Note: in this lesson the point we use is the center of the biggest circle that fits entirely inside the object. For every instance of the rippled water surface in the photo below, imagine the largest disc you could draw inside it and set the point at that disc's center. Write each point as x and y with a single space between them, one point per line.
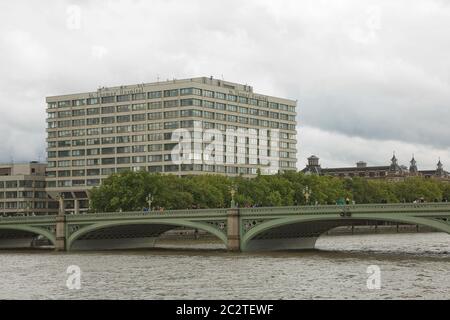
413 266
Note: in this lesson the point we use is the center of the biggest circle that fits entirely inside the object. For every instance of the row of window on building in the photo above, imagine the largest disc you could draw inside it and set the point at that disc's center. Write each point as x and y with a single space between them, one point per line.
23 194
22 184
171 124
9 205
171 94
151 127
171 104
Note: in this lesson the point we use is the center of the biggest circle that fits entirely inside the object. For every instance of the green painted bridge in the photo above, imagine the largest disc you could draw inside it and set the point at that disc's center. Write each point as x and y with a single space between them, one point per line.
244 229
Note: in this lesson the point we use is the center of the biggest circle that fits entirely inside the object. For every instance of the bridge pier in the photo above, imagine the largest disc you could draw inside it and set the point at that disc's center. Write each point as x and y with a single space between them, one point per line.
60 244
233 230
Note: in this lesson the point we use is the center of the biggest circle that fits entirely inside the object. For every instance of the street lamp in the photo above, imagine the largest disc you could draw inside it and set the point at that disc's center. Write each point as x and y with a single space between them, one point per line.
307 193
60 198
149 201
233 192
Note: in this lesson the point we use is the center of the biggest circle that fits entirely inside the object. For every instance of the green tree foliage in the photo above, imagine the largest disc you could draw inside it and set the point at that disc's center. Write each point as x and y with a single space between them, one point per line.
128 191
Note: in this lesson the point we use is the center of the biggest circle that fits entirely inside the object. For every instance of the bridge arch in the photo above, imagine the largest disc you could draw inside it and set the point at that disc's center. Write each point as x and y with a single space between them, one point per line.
158 227
319 225
32 231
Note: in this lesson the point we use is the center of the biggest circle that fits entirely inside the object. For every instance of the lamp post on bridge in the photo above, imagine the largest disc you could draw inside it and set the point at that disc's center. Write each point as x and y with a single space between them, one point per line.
233 193
60 198
149 201
307 193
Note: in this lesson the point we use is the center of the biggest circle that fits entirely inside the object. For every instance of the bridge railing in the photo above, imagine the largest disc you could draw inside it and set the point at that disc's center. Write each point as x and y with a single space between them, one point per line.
319 209
323 209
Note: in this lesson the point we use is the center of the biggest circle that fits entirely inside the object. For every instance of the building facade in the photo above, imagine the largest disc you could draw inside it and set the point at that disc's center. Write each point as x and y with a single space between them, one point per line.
393 171
183 127
22 190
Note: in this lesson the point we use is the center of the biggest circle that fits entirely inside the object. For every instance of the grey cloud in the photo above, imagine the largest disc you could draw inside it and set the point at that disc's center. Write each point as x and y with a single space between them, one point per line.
372 70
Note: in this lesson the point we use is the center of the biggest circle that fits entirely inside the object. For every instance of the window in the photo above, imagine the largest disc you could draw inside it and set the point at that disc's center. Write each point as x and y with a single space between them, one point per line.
139 107
93 152
155 105
79 123
108 140
93 132
208 104
139 138
232 108
78 153
124 108
231 97
121 119
93 121
123 129
220 95
93 172
155 158
111 99
92 101
171 93
78 163
108 130
243 100
191 102
171 114
208 94
155 116
171 168
78 173
139 96
108 161
190 91
123 149
171 125
93 162
108 120
139 149
123 160
79 103
139 127
155 126
64 114
171 104
110 109
154 147
63 104
78 113
93 111
108 150
91 142
108 171
154 95
123 139
140 159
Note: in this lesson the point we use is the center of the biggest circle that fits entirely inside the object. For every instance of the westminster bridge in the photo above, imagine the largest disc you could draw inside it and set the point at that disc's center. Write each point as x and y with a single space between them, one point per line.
240 229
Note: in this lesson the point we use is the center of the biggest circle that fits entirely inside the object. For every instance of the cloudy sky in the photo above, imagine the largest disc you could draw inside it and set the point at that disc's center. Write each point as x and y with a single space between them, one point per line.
371 77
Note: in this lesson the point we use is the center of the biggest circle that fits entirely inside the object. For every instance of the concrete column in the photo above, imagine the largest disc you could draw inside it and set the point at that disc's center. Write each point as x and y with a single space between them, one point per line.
60 244
233 230
76 206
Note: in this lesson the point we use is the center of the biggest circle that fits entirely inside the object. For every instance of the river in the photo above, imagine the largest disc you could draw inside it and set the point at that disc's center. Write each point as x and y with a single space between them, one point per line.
412 266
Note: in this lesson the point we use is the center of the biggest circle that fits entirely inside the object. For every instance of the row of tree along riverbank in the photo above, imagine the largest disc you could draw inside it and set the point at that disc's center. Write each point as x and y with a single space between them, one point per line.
134 191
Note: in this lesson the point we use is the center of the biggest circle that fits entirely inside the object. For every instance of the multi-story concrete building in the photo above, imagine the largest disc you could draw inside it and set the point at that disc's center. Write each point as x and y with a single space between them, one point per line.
22 190
191 126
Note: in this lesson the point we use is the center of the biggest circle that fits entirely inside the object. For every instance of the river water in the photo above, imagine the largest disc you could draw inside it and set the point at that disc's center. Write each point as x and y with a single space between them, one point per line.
412 266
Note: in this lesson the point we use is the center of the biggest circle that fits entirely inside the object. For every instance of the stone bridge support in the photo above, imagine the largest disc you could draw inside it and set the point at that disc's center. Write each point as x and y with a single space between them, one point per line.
60 243
233 230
